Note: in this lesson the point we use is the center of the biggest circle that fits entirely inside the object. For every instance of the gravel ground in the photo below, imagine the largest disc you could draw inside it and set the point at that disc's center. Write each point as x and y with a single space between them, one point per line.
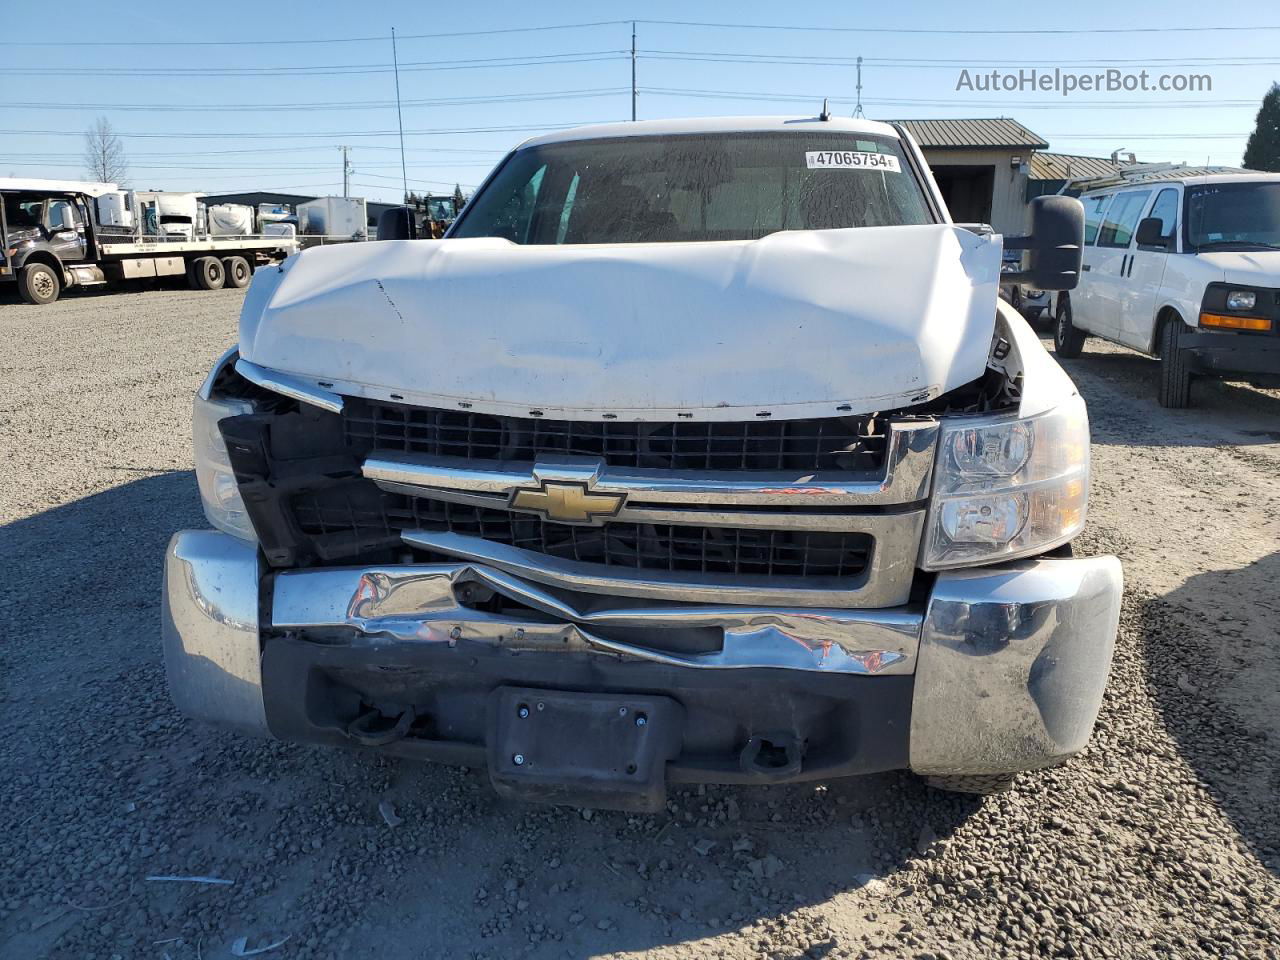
1162 840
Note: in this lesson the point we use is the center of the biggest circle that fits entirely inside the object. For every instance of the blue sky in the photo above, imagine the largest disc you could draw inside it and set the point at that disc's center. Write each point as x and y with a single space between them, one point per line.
580 75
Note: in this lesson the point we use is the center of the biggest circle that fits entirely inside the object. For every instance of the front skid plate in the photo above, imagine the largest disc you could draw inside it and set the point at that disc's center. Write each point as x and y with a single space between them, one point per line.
609 751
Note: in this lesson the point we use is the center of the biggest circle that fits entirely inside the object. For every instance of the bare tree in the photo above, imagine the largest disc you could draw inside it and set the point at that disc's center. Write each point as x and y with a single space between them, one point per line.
104 158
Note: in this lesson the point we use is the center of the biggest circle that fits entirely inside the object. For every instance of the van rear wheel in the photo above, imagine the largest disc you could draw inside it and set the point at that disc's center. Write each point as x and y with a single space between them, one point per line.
1068 341
1174 391
38 284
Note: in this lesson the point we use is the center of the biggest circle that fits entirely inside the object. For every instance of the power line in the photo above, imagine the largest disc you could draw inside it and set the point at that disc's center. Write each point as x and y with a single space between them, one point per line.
328 134
846 64
296 42
323 105
951 31
970 62
818 28
1043 104
332 70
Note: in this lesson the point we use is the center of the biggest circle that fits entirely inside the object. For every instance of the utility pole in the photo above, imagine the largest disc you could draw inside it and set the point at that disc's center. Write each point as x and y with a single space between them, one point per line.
857 110
346 172
633 69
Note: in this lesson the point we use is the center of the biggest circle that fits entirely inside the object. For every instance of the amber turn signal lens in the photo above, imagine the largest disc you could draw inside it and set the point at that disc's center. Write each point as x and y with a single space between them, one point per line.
1222 321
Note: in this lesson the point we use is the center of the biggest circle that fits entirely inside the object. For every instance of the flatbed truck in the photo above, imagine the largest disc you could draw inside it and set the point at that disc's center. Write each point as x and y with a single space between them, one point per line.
53 239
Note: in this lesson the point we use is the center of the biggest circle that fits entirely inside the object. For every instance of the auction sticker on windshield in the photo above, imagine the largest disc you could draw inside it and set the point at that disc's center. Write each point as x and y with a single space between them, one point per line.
850 160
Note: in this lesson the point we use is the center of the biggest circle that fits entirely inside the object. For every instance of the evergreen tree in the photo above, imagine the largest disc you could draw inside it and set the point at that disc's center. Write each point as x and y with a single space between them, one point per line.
458 198
1263 149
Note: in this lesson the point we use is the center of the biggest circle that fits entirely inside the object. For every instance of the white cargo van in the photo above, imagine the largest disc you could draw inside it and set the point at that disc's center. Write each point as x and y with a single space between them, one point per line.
1184 267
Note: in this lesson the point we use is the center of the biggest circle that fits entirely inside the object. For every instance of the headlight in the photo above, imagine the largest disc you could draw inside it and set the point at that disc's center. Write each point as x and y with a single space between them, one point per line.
1008 488
218 490
1241 300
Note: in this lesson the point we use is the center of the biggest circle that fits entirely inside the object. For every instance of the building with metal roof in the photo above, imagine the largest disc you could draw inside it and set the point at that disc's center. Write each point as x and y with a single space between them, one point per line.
982 167
993 133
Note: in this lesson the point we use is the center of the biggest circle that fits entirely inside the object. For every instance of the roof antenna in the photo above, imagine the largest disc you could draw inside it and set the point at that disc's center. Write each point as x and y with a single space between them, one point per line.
825 114
857 110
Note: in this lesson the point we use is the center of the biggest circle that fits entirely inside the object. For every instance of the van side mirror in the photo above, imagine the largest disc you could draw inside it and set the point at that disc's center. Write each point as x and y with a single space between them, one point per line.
1151 233
1055 245
398 223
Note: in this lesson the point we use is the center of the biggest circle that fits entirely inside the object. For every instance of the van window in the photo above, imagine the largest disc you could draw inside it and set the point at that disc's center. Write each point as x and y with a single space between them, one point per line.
1122 218
1093 207
1165 209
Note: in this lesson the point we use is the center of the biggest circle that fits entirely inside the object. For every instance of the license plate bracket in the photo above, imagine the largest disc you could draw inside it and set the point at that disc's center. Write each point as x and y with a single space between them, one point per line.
595 750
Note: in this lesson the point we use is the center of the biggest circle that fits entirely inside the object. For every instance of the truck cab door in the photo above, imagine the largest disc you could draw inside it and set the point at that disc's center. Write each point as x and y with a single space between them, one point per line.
66 229
1146 274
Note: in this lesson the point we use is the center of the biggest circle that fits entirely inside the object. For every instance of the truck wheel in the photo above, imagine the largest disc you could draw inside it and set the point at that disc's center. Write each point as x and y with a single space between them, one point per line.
39 284
237 271
982 784
1175 373
1068 341
207 273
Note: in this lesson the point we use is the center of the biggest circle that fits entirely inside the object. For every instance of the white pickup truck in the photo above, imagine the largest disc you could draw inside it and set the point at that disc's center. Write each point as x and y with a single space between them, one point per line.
698 451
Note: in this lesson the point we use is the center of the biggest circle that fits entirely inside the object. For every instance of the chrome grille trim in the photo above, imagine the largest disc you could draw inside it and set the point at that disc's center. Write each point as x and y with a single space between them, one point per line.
906 477
886 581
677 516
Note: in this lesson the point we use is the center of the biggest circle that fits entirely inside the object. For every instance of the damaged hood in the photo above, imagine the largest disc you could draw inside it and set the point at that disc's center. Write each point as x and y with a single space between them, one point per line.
796 324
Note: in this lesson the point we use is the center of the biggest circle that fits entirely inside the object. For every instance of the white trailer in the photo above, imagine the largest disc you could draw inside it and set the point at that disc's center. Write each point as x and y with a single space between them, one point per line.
61 233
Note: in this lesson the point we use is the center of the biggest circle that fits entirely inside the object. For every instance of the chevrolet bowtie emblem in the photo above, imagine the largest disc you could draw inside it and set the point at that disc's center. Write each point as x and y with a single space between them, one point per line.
568 502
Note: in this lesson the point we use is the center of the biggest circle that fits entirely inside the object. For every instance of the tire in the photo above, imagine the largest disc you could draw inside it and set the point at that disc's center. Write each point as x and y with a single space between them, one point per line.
207 273
39 284
237 271
1174 390
1068 341
984 785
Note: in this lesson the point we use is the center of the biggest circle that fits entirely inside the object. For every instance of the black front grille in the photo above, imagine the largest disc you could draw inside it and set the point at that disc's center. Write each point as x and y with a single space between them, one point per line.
853 444
353 513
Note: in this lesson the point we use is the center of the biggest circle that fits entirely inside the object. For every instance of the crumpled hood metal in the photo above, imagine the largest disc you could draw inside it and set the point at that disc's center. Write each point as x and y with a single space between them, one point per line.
796 324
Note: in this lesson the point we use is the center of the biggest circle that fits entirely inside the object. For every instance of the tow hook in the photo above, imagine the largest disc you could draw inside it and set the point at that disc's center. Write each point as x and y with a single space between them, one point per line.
771 756
370 729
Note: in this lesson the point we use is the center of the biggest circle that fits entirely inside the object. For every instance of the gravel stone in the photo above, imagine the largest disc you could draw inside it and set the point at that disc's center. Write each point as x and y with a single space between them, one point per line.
1161 840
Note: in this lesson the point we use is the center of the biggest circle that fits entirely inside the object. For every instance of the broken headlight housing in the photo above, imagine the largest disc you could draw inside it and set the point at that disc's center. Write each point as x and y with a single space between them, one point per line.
219 492
1008 488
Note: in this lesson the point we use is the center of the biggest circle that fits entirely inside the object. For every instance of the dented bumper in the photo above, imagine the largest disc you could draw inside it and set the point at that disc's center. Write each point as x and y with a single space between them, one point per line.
997 670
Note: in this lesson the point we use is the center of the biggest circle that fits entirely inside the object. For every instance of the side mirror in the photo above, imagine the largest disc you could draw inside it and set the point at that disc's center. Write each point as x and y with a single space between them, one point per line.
1055 245
398 223
1151 233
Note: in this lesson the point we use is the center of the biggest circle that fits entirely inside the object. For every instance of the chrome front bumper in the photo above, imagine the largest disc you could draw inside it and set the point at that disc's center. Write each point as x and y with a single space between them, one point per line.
1009 663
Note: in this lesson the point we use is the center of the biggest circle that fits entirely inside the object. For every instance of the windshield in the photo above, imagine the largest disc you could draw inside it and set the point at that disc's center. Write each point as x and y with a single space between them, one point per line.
21 213
696 187
1234 215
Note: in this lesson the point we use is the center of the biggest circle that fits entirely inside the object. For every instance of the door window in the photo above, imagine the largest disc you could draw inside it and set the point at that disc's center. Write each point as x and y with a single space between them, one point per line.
1093 208
1122 218
61 215
1165 209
